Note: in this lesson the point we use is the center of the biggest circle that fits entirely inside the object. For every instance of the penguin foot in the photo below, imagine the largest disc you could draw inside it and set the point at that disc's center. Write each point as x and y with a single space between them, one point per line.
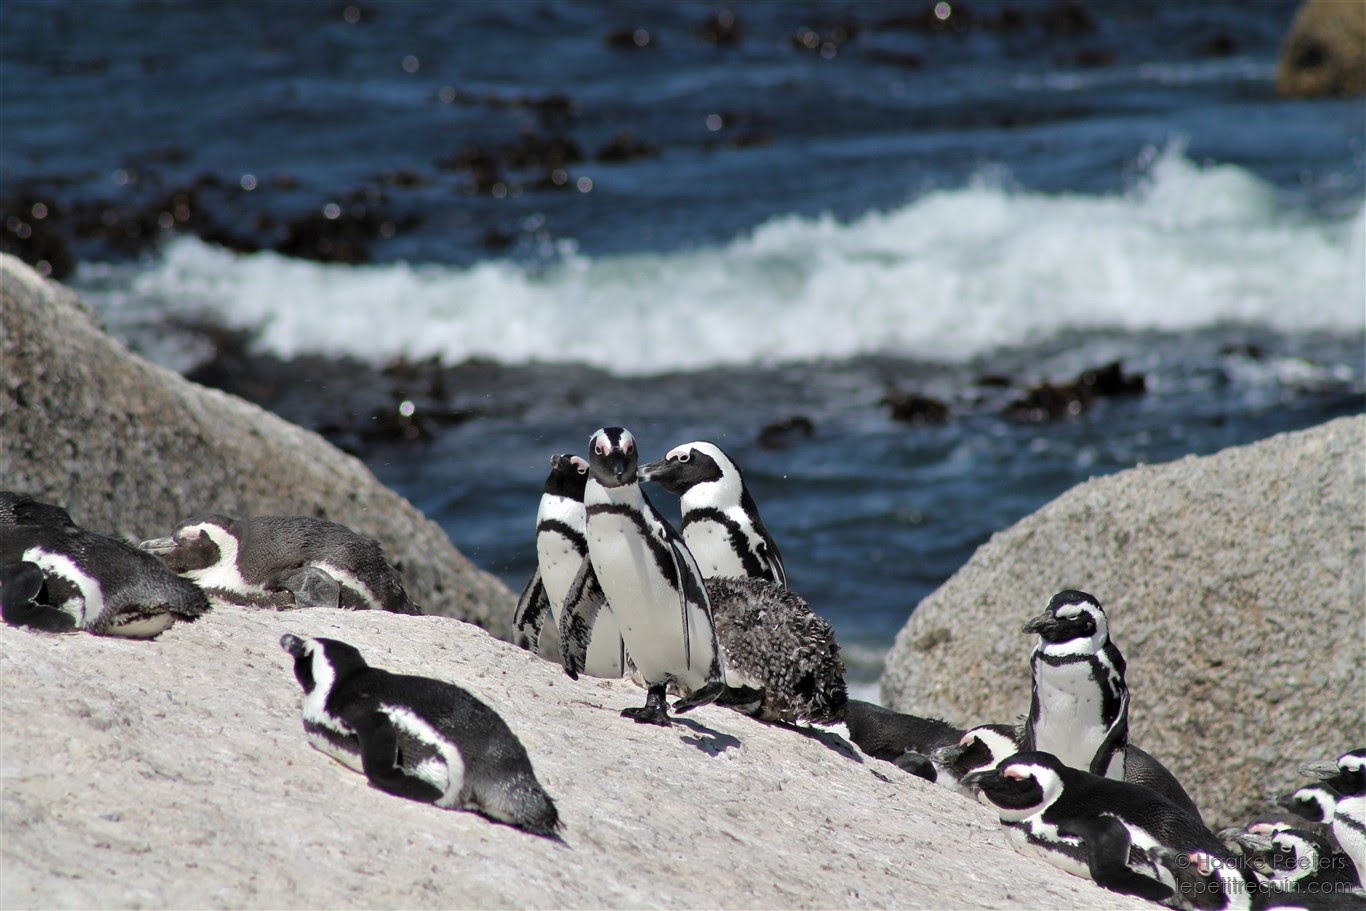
654 711
706 694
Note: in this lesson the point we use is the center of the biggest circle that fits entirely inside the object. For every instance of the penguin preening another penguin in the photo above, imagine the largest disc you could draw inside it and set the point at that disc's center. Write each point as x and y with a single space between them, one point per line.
59 577
1079 706
416 737
561 551
640 565
1094 826
721 523
283 562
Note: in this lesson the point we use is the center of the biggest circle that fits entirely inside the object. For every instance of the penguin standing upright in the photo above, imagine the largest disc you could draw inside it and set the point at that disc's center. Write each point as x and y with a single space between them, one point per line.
1079 709
721 523
1347 776
1097 827
416 737
283 562
561 550
641 566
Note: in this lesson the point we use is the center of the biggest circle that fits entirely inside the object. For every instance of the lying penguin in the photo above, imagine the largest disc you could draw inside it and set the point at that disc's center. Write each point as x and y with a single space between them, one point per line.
283 562
56 576
415 737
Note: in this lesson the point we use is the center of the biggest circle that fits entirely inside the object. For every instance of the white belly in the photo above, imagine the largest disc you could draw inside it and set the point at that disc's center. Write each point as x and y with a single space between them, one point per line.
1070 725
711 547
647 609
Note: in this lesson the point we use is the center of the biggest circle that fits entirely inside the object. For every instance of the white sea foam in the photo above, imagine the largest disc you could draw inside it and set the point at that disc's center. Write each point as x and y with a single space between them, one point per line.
950 275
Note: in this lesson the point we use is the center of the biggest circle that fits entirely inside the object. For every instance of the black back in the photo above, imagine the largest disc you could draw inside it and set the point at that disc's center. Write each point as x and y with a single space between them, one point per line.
21 509
885 734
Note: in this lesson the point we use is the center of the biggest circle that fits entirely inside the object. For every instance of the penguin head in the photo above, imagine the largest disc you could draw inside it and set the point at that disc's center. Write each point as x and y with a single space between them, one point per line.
197 544
690 466
1020 786
979 749
1074 623
612 457
568 477
1314 802
319 664
1352 773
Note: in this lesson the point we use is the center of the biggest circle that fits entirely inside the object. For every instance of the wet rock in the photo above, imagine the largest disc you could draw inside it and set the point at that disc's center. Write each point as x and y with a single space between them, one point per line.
903 59
624 146
1049 402
786 433
30 229
628 38
914 408
933 17
722 29
1068 18
341 233
1220 44
536 150
1324 52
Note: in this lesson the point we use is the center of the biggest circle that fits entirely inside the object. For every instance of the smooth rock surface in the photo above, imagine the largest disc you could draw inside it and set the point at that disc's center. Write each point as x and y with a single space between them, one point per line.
175 773
1325 51
1235 585
131 449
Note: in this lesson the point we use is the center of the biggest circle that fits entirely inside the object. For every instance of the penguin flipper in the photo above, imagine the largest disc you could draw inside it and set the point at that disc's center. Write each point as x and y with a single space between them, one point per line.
1116 738
917 764
701 696
21 587
581 606
532 608
313 587
381 762
1107 845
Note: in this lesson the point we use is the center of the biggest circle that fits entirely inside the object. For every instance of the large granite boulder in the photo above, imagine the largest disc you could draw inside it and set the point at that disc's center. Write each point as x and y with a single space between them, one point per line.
130 448
1236 590
1325 51
175 773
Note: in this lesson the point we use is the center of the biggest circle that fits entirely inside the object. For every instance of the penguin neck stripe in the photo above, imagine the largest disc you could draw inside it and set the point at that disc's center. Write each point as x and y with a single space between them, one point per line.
659 549
564 529
739 541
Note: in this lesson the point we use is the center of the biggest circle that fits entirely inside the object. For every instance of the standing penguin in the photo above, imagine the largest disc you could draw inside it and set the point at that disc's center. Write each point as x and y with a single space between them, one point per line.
561 550
721 523
283 562
415 737
640 565
1079 709
1094 826
1347 776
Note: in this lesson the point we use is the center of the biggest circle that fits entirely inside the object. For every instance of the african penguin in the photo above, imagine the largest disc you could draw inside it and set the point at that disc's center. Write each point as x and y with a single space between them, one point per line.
1079 709
1348 777
1298 860
21 509
283 562
1094 826
901 739
1313 802
103 585
640 565
415 737
978 749
777 652
561 549
721 523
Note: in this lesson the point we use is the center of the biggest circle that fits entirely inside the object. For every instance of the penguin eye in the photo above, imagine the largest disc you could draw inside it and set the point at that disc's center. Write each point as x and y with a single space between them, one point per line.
581 469
683 457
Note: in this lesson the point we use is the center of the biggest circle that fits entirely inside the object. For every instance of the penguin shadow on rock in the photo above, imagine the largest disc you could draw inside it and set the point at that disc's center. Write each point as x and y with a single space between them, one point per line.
56 576
423 739
283 562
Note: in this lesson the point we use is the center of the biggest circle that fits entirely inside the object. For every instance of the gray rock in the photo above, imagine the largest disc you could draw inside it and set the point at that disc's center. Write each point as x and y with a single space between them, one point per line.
131 449
1235 589
176 773
1324 52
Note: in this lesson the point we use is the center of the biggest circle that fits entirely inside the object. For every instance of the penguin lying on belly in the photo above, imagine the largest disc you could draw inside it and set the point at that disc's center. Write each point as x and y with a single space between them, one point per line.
56 576
283 562
415 737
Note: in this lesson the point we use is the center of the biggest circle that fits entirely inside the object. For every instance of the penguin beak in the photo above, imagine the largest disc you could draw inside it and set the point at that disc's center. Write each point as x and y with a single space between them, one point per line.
292 644
1322 769
158 546
1248 843
1041 624
946 756
620 468
651 471
976 780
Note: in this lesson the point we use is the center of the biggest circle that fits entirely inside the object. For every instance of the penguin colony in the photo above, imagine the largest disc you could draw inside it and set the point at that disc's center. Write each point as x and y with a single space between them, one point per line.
705 615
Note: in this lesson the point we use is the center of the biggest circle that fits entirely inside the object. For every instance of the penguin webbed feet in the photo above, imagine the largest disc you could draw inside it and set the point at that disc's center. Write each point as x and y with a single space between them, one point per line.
654 711
707 694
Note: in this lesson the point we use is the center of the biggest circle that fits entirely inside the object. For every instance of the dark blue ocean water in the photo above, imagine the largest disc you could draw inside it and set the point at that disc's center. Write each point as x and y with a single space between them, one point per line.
817 203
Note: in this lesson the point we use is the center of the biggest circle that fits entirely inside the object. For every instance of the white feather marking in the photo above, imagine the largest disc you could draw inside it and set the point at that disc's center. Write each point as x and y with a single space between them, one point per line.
447 772
90 605
350 580
223 573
